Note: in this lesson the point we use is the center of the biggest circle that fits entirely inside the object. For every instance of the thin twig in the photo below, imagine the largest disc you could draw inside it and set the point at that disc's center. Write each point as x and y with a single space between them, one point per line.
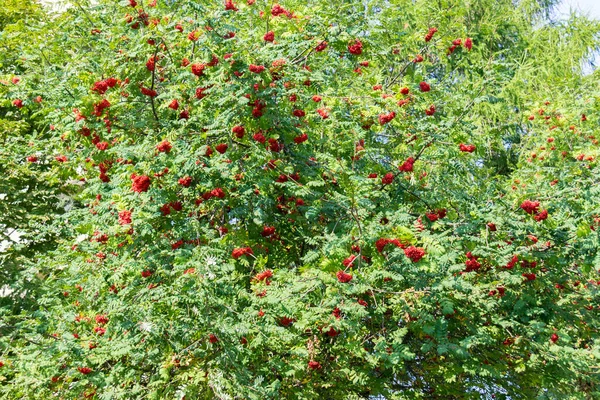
401 72
152 86
85 14
194 41
240 143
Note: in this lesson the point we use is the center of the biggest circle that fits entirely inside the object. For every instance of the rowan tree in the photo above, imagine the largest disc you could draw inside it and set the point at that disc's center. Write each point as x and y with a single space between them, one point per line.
309 200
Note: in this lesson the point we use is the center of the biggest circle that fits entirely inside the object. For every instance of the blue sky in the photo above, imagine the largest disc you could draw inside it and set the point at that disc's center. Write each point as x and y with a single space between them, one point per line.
586 7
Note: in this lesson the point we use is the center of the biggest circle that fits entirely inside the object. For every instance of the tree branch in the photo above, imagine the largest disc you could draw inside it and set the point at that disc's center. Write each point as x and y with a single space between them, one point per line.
152 87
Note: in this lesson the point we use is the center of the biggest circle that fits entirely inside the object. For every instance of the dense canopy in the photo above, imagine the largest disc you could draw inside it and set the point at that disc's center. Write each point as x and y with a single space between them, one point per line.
308 199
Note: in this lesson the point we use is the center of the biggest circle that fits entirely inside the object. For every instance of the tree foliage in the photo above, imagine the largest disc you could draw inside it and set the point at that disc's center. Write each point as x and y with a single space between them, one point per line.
301 200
